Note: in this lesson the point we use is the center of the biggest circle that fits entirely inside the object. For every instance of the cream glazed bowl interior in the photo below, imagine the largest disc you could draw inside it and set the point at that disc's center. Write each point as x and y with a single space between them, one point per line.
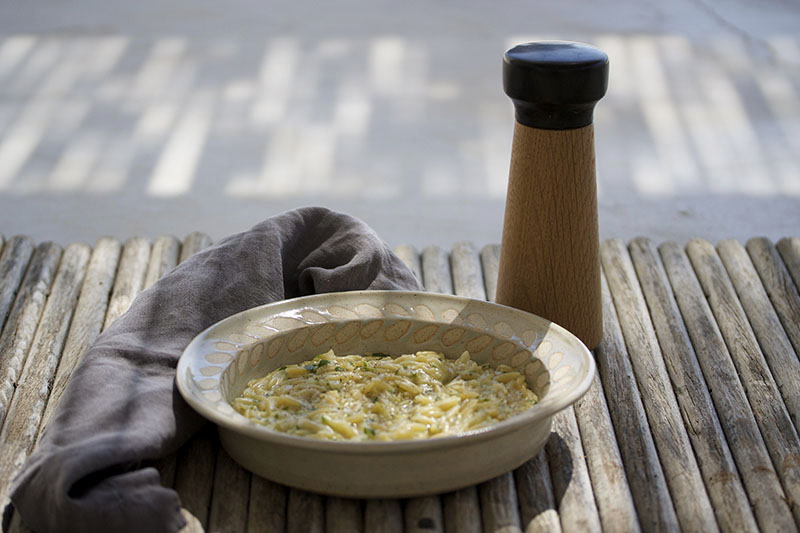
218 364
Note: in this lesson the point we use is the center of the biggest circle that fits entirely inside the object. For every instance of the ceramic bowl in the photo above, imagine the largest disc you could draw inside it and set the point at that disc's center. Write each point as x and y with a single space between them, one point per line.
218 364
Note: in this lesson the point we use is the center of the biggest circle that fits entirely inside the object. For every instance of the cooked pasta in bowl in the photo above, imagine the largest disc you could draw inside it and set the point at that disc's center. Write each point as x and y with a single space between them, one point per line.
383 398
383 393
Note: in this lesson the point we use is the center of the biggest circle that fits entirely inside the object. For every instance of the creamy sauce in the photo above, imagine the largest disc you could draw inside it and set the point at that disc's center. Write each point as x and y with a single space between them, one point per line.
382 398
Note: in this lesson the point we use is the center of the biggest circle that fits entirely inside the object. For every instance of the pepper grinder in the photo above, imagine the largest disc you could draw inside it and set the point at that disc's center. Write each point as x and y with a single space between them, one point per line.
549 257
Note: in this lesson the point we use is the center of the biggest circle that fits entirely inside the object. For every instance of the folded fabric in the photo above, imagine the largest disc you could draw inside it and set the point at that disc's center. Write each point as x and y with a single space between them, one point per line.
121 407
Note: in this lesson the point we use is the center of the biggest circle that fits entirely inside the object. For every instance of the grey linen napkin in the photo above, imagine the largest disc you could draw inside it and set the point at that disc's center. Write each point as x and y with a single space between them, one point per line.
121 407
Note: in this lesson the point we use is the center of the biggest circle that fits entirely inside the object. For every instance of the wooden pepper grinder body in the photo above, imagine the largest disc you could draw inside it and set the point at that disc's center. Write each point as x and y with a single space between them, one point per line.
549 257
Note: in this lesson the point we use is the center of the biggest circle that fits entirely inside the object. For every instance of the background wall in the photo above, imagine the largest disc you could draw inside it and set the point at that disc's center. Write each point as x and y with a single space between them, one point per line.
149 118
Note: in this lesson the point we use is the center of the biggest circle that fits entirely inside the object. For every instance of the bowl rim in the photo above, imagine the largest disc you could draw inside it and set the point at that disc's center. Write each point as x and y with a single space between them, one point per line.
540 411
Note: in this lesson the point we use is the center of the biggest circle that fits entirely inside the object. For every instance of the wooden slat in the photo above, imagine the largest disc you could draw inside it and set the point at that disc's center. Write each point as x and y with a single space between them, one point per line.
410 256
777 281
18 333
27 405
611 491
130 278
195 461
163 258
772 339
762 392
436 277
89 314
642 467
343 515
499 509
537 507
267 508
229 497
193 525
570 475
305 512
490 261
789 249
436 270
498 497
733 410
20 329
461 510
689 496
717 467
383 516
423 514
227 503
466 269
194 474
14 260
193 243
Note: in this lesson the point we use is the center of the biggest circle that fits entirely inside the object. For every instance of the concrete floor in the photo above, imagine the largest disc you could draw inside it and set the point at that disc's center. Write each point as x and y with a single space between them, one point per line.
150 118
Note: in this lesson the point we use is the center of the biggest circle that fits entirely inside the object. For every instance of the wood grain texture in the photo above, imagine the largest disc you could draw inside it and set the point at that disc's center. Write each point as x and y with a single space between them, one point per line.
193 525
343 515
499 511
733 410
436 276
570 475
267 508
194 474
20 328
537 507
765 400
789 249
193 243
466 268
38 268
714 458
642 467
410 256
490 261
462 511
33 388
305 512
777 281
14 258
230 496
767 327
195 461
609 432
163 258
689 496
549 262
423 515
611 491
90 312
383 516
130 278
499 508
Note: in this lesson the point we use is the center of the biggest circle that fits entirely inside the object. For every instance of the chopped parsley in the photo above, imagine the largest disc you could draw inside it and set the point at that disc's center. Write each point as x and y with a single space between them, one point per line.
316 365
369 431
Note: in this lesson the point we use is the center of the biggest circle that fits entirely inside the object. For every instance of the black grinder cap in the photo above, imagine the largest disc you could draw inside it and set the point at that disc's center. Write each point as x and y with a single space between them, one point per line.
555 84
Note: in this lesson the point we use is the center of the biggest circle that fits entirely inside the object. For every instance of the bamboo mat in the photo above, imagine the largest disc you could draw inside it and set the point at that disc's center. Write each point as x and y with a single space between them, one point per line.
691 423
